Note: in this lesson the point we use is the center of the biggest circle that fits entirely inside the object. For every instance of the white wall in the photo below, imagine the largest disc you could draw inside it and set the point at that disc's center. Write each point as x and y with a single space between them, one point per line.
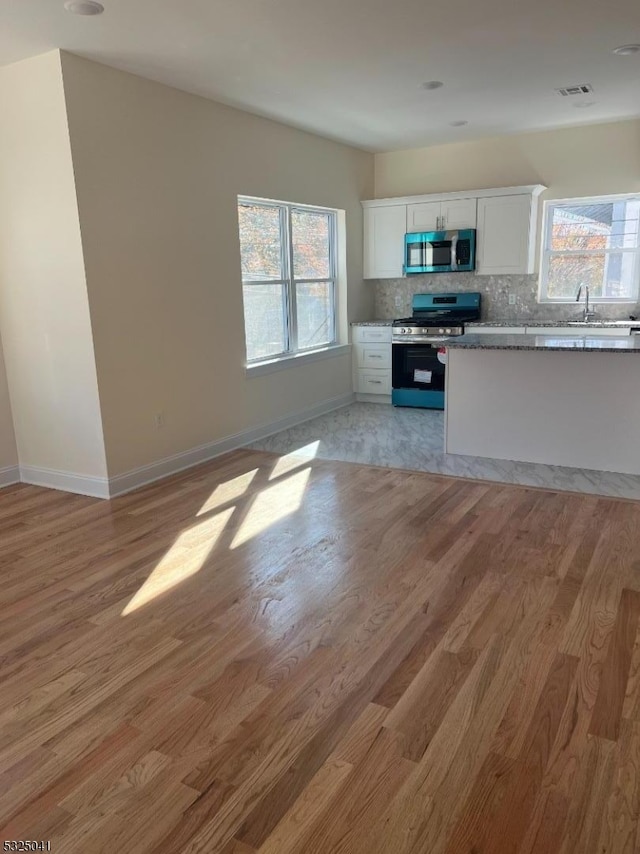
44 312
592 160
158 173
8 450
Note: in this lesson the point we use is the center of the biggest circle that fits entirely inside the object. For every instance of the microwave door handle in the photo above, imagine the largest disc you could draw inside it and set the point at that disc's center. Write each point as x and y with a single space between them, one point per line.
454 251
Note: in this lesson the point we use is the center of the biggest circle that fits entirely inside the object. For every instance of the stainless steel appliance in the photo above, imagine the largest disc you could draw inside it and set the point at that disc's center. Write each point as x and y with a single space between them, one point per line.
418 348
440 251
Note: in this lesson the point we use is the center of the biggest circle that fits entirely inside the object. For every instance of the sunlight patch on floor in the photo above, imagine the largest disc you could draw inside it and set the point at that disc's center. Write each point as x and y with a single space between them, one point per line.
185 558
231 490
295 459
271 505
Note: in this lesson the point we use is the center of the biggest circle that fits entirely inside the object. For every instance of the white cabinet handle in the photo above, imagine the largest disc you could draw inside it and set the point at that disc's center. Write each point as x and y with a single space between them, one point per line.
374 356
375 382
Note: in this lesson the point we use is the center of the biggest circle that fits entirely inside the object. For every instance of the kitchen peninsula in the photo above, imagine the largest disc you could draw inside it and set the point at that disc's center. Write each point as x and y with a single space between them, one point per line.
555 399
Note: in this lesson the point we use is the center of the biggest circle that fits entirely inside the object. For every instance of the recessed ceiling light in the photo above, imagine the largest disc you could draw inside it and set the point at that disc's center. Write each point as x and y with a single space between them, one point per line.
582 105
432 84
84 7
459 123
627 49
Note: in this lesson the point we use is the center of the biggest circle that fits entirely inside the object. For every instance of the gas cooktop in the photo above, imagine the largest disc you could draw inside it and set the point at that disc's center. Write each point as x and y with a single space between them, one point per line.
438 314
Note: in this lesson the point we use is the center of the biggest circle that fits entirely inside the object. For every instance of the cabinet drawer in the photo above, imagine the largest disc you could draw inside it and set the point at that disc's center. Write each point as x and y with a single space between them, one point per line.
373 382
372 333
373 355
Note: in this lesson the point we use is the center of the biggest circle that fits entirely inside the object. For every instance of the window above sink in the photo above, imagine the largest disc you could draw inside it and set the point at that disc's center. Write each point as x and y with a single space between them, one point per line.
592 242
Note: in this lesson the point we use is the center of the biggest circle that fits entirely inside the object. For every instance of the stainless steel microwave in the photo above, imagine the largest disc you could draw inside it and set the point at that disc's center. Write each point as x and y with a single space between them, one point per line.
440 251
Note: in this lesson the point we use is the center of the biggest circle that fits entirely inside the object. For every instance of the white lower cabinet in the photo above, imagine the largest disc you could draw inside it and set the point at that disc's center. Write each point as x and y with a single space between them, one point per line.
372 360
373 356
373 382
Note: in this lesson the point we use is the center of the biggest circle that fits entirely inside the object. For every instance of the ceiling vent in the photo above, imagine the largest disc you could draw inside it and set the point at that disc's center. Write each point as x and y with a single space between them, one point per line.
582 89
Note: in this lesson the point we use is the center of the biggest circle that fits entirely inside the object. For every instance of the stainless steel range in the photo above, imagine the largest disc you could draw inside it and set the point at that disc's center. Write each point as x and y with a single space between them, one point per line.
419 354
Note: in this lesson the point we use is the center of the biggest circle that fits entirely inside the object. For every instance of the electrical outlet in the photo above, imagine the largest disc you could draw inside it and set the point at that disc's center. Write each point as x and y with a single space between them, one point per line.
512 299
158 421
398 302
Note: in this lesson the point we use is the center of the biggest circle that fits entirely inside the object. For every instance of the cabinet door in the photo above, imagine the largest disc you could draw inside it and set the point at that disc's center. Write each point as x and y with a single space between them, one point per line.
424 217
384 230
459 213
504 232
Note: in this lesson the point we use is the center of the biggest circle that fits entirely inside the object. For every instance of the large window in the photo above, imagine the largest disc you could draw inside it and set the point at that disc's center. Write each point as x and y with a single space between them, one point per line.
288 255
593 242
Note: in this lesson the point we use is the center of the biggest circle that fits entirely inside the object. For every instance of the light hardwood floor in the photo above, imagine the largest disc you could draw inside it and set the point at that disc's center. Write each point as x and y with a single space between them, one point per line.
275 655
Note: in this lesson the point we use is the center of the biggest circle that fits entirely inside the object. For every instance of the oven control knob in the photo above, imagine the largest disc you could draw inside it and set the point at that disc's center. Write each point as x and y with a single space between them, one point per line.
448 331
404 329
441 331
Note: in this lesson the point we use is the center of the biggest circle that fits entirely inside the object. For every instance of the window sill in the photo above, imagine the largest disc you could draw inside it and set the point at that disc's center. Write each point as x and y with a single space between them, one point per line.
289 361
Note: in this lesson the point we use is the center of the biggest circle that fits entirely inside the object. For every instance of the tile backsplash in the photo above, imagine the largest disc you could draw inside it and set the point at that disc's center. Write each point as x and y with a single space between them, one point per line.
393 297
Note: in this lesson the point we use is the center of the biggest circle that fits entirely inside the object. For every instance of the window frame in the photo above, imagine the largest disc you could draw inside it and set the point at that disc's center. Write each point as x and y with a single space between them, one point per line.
289 282
546 253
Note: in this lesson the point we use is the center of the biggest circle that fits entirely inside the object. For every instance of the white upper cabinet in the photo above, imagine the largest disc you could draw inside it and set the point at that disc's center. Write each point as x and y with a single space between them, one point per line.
384 230
424 217
459 213
506 236
505 219
441 216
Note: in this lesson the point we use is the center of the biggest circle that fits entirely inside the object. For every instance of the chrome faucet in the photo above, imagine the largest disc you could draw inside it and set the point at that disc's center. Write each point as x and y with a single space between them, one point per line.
587 314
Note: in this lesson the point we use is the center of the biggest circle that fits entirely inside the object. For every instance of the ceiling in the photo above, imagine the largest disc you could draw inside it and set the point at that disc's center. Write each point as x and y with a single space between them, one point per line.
352 69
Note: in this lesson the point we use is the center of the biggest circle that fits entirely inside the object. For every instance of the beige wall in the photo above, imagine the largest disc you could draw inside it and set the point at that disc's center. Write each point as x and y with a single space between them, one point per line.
44 311
8 450
593 160
157 173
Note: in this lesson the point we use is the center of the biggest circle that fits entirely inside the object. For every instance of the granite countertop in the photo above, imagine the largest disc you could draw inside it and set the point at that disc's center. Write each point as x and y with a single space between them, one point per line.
585 343
371 322
592 324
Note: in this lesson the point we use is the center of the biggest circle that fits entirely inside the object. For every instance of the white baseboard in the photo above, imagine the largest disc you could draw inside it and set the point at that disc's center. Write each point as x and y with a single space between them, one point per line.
138 477
102 487
373 398
9 475
96 487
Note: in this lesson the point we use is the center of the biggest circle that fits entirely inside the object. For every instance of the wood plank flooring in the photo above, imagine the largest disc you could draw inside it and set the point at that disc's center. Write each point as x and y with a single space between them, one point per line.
287 656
